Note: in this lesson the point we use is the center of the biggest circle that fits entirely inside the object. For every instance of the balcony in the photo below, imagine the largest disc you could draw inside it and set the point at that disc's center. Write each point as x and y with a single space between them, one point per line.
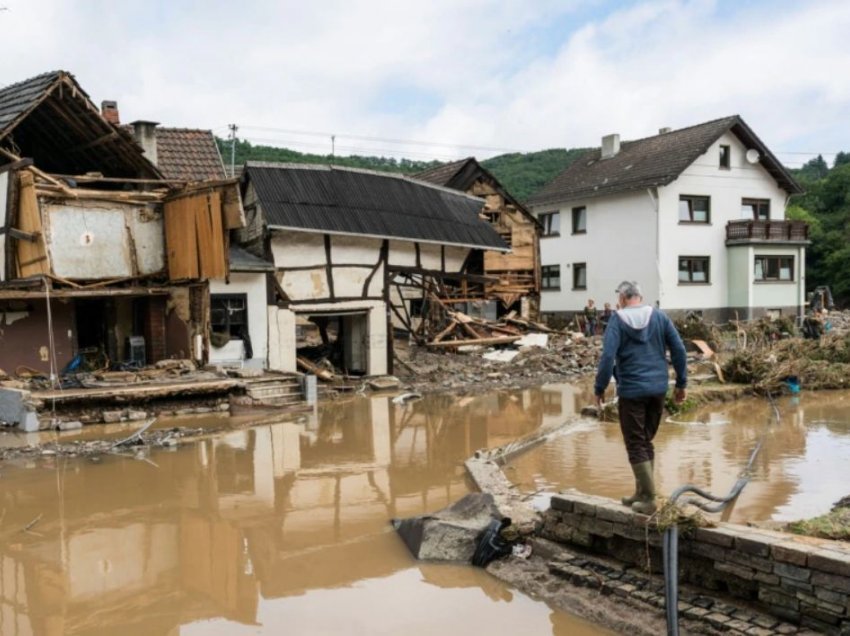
743 232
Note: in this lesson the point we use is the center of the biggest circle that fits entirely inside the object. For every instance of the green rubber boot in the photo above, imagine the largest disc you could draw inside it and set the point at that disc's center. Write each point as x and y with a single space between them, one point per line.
628 501
645 504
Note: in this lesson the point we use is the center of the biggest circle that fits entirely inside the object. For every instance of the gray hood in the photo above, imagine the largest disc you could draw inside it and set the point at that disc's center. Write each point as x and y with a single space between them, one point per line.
636 320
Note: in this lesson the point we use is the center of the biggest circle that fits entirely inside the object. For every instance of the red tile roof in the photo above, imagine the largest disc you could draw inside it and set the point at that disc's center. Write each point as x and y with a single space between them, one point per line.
188 154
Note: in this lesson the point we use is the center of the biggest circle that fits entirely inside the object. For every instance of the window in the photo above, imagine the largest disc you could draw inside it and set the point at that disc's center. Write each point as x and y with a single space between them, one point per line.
774 268
694 269
580 220
551 222
579 275
550 277
725 157
694 209
755 209
229 314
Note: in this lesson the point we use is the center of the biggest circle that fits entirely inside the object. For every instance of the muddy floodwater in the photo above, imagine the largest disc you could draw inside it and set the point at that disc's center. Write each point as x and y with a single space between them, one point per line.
276 529
799 472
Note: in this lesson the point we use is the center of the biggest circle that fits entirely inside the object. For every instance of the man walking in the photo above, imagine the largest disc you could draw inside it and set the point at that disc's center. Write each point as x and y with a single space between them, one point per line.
636 339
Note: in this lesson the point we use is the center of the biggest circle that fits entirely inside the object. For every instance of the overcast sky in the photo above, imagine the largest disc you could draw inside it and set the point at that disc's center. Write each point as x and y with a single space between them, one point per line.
479 77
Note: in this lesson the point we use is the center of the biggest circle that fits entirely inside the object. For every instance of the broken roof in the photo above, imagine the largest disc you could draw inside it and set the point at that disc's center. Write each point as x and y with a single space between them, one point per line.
654 161
242 260
51 119
188 154
336 200
460 175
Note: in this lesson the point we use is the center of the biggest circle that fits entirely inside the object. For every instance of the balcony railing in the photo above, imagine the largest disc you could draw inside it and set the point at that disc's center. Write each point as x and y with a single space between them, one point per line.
743 231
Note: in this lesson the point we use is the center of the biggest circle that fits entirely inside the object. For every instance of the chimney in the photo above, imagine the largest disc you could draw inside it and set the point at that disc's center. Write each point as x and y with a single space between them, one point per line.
109 110
610 146
145 134
664 131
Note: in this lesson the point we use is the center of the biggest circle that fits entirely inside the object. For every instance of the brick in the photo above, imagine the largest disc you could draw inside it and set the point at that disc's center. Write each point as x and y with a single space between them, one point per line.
561 504
755 562
789 553
778 598
793 586
696 613
610 513
753 546
768 579
830 596
715 536
740 571
832 582
741 626
717 619
830 561
788 571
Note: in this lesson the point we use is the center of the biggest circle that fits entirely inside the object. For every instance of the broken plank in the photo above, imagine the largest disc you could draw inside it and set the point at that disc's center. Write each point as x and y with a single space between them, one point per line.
315 369
447 344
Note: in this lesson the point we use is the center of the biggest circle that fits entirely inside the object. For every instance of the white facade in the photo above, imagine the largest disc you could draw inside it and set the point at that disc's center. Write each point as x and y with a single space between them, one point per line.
253 285
639 236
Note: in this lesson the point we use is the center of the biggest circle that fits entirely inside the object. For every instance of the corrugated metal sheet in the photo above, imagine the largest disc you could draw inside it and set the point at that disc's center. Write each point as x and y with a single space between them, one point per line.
348 201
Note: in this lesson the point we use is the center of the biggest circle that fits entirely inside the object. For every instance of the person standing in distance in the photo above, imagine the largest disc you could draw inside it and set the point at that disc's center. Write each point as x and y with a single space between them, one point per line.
637 339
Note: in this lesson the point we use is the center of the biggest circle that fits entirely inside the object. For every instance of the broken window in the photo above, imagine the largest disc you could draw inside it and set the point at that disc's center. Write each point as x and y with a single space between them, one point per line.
550 277
579 275
769 268
551 222
694 209
580 220
725 157
755 209
694 269
229 314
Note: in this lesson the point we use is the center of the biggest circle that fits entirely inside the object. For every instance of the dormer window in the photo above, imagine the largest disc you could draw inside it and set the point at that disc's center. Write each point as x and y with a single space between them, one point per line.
725 157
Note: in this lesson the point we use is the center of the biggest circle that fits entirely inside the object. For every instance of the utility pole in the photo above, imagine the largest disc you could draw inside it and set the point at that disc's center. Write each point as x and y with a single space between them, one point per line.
333 147
233 129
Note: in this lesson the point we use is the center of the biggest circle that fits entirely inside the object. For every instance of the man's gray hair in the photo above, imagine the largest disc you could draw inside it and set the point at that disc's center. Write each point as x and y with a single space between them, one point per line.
629 289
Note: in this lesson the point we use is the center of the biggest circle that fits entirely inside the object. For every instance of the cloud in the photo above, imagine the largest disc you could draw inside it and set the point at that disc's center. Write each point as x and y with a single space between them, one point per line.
507 74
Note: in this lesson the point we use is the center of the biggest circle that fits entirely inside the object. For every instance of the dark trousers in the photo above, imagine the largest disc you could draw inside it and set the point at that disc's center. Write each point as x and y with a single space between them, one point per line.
639 420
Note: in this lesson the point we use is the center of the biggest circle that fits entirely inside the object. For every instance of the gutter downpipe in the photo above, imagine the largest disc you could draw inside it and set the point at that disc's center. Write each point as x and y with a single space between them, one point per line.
653 198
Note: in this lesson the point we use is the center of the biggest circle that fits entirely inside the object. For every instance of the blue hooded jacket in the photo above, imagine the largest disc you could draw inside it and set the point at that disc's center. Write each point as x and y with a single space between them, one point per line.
637 339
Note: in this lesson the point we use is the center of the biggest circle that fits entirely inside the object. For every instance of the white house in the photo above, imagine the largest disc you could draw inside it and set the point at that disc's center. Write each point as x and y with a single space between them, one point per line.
696 215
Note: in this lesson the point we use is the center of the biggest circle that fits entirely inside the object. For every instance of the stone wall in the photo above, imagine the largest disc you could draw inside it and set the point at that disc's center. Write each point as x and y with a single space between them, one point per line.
798 579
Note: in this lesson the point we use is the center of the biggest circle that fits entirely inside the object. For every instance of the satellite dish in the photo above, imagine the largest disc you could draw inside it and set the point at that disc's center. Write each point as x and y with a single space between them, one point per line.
752 155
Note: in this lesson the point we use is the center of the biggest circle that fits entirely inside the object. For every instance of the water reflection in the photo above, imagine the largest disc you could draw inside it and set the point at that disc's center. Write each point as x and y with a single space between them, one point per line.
797 473
265 527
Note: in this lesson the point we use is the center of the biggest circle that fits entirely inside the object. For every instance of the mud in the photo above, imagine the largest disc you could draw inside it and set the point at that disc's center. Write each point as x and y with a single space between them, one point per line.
276 528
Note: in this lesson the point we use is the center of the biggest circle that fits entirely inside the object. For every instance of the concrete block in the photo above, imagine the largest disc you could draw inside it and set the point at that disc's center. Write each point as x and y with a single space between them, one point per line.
598 527
717 619
792 586
734 569
739 625
136 416
830 561
696 613
715 536
70 426
111 417
562 504
777 598
833 582
831 597
788 571
764 577
585 508
757 563
618 514
814 612
789 553
752 545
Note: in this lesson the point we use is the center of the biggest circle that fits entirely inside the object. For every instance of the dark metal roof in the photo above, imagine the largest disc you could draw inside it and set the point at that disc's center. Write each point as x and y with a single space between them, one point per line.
460 175
654 161
52 120
337 200
242 260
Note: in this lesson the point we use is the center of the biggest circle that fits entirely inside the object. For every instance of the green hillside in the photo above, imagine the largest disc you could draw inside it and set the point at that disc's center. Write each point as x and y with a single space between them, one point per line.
521 173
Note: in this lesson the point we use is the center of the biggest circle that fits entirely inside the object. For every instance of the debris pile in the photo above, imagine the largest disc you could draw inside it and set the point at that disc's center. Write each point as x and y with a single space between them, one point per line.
462 330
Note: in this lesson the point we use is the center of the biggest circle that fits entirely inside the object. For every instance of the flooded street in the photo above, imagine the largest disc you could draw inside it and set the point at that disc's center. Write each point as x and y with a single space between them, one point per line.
799 472
284 527
281 528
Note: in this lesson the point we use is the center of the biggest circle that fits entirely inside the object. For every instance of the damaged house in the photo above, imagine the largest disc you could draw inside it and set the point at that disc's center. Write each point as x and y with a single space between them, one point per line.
516 274
104 260
356 253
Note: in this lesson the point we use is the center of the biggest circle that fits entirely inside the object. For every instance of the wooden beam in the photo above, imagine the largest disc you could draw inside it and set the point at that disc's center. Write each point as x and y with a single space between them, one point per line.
448 344
20 235
15 165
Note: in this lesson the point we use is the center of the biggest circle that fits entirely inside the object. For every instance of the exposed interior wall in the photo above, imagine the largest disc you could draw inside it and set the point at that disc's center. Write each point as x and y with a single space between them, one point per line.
253 285
24 340
281 340
93 240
